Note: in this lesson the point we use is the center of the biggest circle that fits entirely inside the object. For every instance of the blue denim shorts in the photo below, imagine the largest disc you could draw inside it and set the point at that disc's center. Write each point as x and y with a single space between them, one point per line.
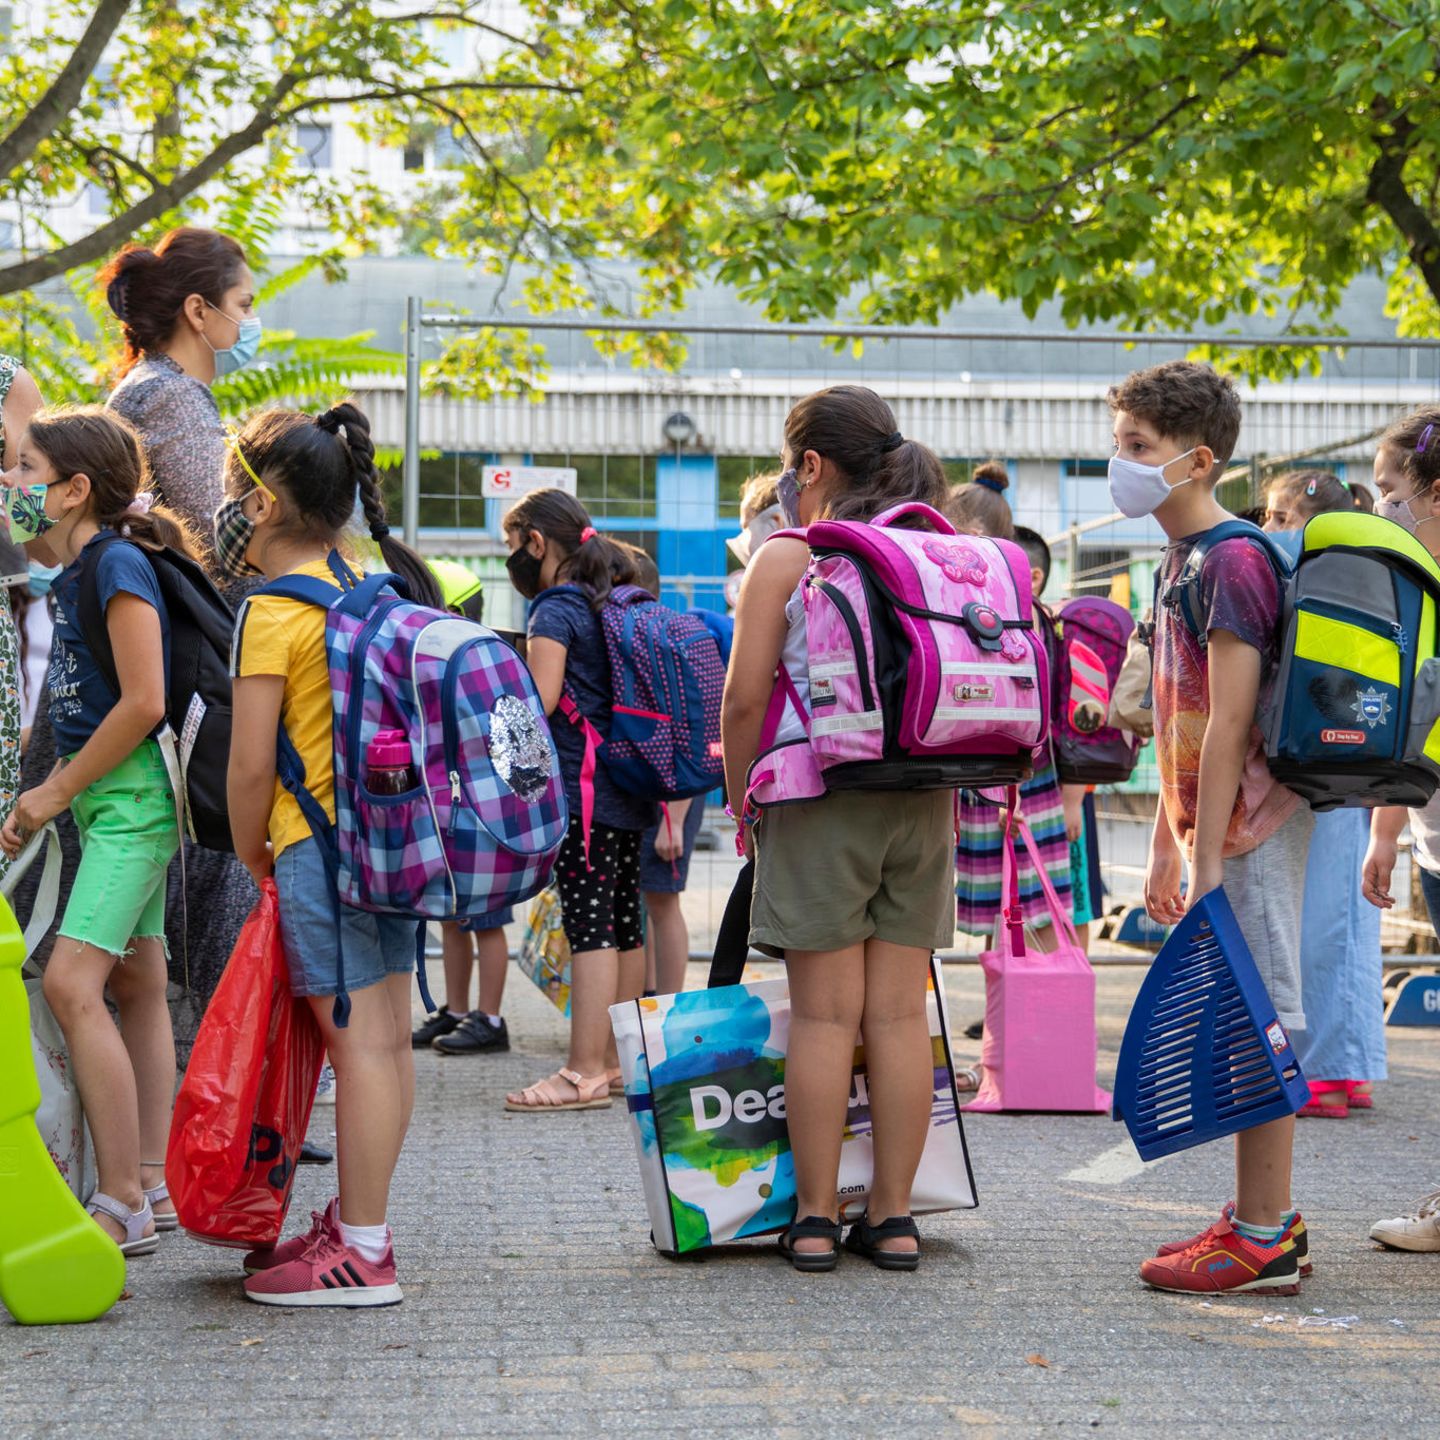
375 945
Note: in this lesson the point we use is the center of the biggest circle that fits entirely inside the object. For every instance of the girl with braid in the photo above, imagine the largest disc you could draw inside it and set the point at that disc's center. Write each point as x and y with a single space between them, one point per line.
291 485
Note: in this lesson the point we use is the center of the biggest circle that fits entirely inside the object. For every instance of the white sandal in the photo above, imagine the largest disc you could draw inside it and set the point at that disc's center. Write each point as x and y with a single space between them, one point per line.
158 1194
135 1223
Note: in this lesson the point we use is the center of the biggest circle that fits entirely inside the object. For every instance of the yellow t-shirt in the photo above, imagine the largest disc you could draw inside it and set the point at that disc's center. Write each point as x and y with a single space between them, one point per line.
274 636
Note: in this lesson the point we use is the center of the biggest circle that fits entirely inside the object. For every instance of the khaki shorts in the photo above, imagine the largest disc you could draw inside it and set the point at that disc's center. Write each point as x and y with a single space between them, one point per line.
854 865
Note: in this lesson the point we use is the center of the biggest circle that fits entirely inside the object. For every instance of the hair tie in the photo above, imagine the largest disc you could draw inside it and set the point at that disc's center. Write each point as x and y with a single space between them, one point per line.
1424 440
331 423
893 441
115 296
990 483
141 504
588 533
380 531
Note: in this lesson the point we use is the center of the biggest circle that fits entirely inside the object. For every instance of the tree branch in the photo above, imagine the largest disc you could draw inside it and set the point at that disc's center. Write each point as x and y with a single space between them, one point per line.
98 243
66 88
457 17
1388 190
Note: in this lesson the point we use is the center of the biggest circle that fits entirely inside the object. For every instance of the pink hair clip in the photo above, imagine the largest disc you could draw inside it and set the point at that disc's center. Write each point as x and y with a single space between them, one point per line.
588 533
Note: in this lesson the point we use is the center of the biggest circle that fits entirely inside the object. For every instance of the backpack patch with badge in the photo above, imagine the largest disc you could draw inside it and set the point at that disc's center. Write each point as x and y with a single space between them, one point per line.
1355 715
1094 634
195 736
481 824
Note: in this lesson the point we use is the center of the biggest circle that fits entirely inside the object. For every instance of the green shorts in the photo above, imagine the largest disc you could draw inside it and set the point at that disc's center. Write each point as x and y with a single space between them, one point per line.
831 873
128 837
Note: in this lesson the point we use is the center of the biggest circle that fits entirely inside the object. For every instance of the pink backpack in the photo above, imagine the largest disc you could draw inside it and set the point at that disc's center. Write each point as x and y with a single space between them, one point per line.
925 668
1094 635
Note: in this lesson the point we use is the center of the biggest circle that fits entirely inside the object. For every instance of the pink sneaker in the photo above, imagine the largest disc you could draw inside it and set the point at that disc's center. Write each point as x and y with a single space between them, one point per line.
328 1272
322 1222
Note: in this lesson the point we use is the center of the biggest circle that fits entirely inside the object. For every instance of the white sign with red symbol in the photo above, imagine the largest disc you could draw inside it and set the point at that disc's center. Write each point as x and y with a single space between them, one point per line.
509 482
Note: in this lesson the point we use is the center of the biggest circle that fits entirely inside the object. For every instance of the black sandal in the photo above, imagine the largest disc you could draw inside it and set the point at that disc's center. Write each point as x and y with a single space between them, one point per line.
864 1239
813 1227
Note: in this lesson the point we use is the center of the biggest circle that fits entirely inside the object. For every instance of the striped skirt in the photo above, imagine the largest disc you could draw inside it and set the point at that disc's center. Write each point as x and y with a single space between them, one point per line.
977 856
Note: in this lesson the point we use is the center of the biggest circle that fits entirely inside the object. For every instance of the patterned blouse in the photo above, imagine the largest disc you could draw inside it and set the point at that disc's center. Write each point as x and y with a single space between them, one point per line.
9 653
179 422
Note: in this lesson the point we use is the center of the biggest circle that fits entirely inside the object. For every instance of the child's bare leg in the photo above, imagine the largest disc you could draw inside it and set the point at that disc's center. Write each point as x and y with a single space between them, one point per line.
138 986
671 940
1262 1172
827 1001
493 958
455 946
75 988
629 985
900 1074
371 1108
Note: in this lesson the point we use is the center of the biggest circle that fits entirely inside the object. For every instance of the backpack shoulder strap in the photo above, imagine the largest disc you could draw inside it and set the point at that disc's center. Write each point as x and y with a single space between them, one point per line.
90 615
1184 594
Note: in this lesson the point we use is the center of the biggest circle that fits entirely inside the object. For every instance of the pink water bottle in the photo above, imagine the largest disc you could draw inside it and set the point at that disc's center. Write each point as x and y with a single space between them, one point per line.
387 764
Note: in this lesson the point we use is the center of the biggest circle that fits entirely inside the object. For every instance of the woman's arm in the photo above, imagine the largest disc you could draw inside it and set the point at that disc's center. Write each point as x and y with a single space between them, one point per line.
250 780
138 646
760 628
22 401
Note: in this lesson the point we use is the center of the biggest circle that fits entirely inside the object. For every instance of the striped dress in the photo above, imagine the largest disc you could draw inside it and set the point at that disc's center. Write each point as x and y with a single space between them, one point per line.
978 854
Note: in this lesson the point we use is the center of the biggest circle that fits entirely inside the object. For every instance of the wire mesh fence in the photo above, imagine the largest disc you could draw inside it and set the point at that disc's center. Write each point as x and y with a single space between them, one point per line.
660 456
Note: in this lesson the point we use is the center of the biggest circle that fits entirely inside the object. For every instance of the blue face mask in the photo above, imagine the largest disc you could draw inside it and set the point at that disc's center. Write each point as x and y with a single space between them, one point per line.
245 348
42 577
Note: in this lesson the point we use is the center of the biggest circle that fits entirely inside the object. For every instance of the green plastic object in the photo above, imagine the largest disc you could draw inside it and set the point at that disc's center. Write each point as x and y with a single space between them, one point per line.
57 1266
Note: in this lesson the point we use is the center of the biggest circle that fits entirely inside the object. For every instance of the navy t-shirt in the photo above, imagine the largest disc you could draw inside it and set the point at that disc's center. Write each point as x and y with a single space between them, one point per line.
564 615
79 697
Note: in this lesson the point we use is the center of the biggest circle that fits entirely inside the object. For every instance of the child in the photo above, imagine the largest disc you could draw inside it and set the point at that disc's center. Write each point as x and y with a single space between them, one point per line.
1175 427
78 482
292 481
981 836
1078 800
853 889
479 942
560 563
980 506
1342 1047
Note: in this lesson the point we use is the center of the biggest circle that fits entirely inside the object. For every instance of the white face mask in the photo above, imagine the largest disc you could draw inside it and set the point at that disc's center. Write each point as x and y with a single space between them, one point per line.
1401 513
1139 490
761 527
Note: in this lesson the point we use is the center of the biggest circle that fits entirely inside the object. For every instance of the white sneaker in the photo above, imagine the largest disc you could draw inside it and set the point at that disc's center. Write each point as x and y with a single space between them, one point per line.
325 1087
1420 1230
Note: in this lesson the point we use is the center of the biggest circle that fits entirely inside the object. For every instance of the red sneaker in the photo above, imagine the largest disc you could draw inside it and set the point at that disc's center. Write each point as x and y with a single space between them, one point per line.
328 1272
1222 1260
272 1255
1296 1232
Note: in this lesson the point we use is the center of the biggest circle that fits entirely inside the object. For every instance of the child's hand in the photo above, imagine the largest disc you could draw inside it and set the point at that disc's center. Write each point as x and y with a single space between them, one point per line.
31 811
1376 872
1163 901
1074 818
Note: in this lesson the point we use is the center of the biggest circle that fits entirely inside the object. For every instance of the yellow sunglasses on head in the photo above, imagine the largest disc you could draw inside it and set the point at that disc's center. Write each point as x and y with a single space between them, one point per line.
233 436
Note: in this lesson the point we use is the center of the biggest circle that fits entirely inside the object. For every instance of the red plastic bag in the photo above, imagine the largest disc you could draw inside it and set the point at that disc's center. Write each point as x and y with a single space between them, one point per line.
242 1111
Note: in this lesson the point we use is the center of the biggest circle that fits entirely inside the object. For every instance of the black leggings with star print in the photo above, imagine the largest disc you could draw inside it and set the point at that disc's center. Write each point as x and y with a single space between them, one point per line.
601 902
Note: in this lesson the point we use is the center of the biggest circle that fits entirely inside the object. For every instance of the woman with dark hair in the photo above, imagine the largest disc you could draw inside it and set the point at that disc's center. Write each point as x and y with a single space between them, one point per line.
186 310
567 569
19 400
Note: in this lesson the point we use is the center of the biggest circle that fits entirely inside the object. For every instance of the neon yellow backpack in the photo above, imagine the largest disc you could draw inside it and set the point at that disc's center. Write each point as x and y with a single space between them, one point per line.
1355 714
56 1264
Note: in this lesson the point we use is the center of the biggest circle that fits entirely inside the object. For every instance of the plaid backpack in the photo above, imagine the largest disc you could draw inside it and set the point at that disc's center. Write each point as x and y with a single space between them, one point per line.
483 826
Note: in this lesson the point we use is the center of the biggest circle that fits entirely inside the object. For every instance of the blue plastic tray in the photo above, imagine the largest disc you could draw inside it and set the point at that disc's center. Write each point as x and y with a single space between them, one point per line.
1204 1054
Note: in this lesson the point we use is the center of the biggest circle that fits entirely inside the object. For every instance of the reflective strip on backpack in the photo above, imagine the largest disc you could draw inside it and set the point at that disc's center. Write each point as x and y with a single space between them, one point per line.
1333 642
832 669
834 724
1432 744
986 712
987 667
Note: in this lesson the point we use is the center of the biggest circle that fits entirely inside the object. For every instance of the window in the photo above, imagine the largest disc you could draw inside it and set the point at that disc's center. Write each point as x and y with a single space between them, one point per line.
314 142
611 487
449 151
414 153
7 235
733 471
7 23
450 496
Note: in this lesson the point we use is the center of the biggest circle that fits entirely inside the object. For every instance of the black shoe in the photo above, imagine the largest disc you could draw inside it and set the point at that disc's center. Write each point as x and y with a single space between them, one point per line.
815 1227
315 1155
442 1022
975 1031
474 1035
864 1239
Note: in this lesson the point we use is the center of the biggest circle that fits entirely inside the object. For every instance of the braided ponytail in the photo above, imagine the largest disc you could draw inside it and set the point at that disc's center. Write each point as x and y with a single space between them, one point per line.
352 430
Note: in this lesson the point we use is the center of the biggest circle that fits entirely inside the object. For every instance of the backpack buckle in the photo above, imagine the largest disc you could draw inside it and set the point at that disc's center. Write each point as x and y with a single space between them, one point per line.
984 624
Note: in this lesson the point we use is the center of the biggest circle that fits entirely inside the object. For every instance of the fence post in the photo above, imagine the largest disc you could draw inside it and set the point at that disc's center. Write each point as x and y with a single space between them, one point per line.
1257 487
410 467
1072 558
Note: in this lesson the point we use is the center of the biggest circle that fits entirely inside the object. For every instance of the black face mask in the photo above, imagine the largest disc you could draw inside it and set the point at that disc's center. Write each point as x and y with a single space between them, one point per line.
524 569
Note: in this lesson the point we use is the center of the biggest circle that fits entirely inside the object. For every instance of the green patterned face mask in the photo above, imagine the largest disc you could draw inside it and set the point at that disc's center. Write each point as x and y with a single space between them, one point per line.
25 512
